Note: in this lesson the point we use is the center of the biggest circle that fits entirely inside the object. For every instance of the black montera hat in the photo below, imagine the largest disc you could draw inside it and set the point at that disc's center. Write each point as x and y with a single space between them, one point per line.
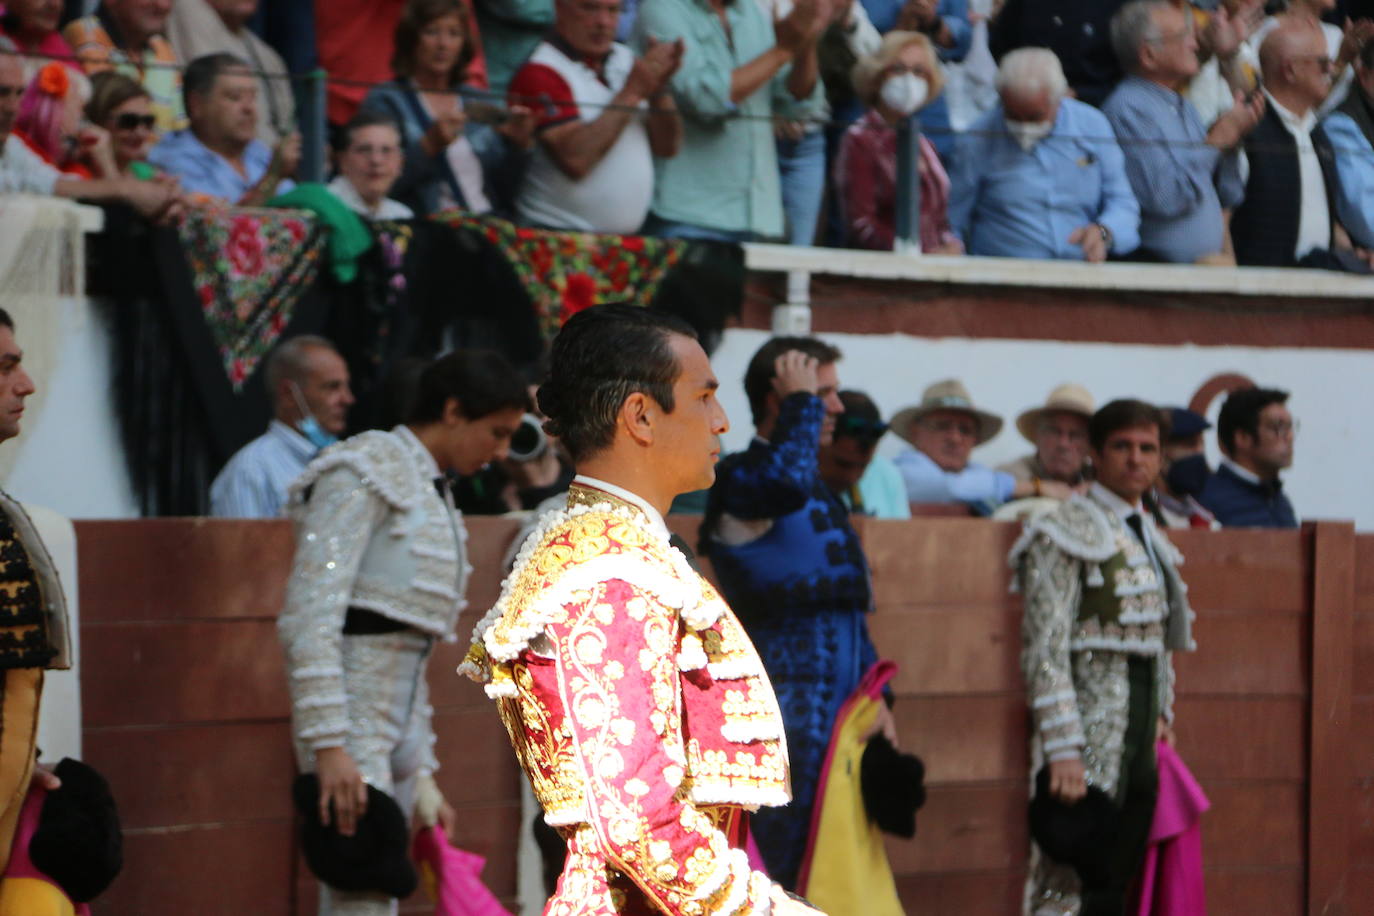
373 859
1079 835
893 786
78 842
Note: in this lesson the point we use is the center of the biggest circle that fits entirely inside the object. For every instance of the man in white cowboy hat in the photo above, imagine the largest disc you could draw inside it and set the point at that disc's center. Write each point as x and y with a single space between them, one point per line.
943 430
1059 432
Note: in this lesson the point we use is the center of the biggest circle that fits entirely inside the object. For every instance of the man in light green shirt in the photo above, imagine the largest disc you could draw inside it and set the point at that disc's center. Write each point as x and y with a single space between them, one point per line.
739 71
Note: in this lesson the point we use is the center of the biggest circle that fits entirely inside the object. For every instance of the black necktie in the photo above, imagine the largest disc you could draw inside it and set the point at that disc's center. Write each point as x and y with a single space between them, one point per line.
677 541
1137 525
443 485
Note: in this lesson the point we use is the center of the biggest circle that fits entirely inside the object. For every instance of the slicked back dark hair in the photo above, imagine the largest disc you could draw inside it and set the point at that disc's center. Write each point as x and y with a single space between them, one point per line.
5 320
602 356
1125 413
758 378
483 381
1242 412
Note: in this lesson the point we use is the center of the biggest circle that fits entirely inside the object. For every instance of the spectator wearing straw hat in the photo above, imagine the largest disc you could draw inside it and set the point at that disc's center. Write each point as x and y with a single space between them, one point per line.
899 80
943 430
1059 432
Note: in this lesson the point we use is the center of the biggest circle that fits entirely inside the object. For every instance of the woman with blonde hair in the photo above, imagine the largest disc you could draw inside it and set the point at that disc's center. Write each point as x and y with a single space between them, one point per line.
898 81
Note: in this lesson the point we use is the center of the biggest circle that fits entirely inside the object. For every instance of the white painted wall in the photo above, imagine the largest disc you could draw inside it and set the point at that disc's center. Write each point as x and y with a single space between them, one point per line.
69 456
1328 478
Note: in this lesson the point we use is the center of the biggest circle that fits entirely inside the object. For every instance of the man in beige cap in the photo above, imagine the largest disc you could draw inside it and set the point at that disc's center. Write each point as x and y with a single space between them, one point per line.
1059 432
943 430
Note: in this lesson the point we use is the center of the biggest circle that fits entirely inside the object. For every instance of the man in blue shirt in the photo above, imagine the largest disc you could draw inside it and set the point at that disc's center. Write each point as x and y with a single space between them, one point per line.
1183 174
1350 128
308 382
219 155
1256 432
1040 175
943 430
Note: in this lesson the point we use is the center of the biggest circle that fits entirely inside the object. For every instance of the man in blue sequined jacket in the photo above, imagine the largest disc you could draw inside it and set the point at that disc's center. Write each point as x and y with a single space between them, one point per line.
793 569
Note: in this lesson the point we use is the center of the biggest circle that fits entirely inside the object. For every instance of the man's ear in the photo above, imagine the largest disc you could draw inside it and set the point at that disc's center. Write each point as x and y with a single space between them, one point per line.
771 403
637 415
453 412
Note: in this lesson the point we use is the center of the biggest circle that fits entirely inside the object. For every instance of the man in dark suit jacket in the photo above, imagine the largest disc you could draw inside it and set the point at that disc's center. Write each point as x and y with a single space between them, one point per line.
1289 209
1255 431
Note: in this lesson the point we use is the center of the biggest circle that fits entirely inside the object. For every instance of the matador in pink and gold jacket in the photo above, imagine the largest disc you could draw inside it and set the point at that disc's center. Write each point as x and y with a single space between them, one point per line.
639 710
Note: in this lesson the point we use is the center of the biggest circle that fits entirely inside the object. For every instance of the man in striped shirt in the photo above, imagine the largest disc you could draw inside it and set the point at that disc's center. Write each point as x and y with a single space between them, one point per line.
307 380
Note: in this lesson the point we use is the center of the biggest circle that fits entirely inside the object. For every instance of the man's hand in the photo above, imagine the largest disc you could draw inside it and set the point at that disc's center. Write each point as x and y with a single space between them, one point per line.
1164 732
1354 37
918 15
518 128
159 201
1232 127
651 72
44 778
1227 31
796 31
1090 239
448 821
794 371
342 785
286 158
446 127
885 723
1068 780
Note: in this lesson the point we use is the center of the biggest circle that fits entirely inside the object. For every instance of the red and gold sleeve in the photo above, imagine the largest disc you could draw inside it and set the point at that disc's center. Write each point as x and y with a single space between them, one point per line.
616 652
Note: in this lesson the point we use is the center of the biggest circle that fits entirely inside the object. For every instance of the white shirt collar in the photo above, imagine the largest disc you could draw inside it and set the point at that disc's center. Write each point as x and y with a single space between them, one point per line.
1244 474
1118 505
293 439
386 208
653 515
1297 126
422 453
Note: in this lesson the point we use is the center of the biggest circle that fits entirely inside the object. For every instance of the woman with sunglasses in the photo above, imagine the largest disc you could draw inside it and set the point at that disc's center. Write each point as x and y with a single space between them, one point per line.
124 109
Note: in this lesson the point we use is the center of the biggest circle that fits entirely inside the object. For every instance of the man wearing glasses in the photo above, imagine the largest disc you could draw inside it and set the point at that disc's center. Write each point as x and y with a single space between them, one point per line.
1289 213
1184 173
864 483
943 431
1256 433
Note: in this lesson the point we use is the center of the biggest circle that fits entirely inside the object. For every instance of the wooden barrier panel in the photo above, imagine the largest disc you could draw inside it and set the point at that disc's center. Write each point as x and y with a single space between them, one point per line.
186 712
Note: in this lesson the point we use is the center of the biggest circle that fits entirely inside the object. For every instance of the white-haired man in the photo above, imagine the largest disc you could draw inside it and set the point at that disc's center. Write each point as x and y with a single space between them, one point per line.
1040 175
1183 173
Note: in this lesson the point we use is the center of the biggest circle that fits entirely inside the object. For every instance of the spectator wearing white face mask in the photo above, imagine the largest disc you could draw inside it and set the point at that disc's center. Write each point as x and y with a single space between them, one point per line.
900 79
1041 176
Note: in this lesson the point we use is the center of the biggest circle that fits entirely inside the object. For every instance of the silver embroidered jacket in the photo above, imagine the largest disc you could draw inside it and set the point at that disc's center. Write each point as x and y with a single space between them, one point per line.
1093 595
372 532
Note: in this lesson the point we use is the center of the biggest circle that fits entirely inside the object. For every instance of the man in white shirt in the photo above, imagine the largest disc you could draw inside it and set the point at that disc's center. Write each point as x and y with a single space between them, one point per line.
1288 213
603 116
308 382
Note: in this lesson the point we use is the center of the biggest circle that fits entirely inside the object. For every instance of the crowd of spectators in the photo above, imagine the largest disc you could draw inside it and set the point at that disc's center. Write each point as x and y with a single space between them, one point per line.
1255 435
1149 130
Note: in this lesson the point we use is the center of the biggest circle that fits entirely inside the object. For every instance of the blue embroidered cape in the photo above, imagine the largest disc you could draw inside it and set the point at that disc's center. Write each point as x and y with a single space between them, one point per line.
802 591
